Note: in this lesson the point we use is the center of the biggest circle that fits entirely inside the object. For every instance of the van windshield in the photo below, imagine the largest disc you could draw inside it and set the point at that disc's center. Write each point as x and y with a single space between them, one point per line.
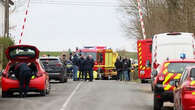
178 67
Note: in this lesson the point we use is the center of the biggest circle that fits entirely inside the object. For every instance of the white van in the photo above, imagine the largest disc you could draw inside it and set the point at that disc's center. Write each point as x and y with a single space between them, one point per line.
169 46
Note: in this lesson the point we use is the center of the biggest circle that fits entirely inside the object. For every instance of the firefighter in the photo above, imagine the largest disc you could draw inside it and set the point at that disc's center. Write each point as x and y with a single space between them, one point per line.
85 67
118 65
129 70
81 67
91 68
75 62
23 73
125 69
89 63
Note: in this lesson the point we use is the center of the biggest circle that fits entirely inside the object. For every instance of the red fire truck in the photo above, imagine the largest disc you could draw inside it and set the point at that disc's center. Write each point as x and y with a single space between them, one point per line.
104 60
144 53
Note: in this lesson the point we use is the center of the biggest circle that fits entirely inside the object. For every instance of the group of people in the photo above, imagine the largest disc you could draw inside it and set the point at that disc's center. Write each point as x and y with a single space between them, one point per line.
123 67
84 65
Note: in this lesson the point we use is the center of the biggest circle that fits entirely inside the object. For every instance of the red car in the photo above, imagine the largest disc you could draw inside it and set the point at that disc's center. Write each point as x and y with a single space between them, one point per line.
27 54
184 94
164 83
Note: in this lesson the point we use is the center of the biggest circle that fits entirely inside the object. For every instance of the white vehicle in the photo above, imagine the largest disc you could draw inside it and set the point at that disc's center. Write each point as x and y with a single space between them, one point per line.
169 46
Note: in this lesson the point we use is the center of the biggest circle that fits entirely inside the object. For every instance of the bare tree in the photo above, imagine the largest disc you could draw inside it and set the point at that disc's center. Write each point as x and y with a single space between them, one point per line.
160 16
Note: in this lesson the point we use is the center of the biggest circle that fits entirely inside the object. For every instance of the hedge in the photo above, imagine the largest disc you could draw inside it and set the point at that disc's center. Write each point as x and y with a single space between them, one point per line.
5 42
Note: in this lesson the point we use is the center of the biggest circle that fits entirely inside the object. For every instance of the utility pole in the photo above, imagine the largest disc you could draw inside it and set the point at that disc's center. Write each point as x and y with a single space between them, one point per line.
6 33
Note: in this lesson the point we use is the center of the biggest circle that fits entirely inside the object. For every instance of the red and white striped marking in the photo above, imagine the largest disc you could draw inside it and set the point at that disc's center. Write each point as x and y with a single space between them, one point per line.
23 26
141 19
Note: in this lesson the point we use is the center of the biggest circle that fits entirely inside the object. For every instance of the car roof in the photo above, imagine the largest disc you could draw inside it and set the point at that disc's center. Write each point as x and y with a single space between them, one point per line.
179 60
51 57
175 33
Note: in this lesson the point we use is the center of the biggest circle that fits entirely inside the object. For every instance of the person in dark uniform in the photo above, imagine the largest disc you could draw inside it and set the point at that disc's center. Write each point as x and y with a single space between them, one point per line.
85 67
126 68
91 65
75 62
119 65
23 73
129 71
81 67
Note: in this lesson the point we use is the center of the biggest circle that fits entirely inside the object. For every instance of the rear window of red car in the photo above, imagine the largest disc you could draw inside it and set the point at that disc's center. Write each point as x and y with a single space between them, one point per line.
22 51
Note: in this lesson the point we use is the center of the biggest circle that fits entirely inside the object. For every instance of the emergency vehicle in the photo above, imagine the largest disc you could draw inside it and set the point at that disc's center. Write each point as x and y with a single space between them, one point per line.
144 53
184 94
164 83
104 60
169 46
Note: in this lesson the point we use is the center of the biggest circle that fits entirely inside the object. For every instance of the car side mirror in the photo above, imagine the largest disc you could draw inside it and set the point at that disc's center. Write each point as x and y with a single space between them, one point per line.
154 73
148 64
176 83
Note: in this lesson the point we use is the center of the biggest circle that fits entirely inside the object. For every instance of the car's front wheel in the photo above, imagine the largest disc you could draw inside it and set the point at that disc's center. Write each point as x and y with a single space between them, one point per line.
4 94
48 88
43 93
62 79
157 103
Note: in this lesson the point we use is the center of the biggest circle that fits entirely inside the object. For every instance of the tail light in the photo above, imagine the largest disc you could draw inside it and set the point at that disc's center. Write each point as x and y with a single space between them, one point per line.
4 75
58 64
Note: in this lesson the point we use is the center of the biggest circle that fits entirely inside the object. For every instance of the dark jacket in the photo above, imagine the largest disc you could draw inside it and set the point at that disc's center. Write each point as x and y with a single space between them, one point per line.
75 60
81 64
89 63
20 68
126 65
118 65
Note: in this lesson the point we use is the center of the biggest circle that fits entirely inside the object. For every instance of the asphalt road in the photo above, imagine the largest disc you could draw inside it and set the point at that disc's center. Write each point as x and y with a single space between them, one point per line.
79 95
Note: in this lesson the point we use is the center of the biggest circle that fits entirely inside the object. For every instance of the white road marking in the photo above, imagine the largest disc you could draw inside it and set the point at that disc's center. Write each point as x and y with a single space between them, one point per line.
70 97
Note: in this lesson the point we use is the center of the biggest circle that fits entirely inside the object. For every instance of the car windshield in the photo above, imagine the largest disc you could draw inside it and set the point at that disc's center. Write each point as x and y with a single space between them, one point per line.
178 67
90 53
192 73
49 61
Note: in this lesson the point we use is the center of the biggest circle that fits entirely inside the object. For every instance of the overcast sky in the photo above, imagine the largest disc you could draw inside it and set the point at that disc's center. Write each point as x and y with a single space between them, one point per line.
65 24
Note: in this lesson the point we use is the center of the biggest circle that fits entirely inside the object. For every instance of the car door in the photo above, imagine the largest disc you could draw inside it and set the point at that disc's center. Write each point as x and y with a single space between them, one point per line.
178 90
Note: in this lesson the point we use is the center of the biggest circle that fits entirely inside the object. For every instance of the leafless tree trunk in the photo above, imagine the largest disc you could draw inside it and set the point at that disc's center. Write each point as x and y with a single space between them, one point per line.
160 16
